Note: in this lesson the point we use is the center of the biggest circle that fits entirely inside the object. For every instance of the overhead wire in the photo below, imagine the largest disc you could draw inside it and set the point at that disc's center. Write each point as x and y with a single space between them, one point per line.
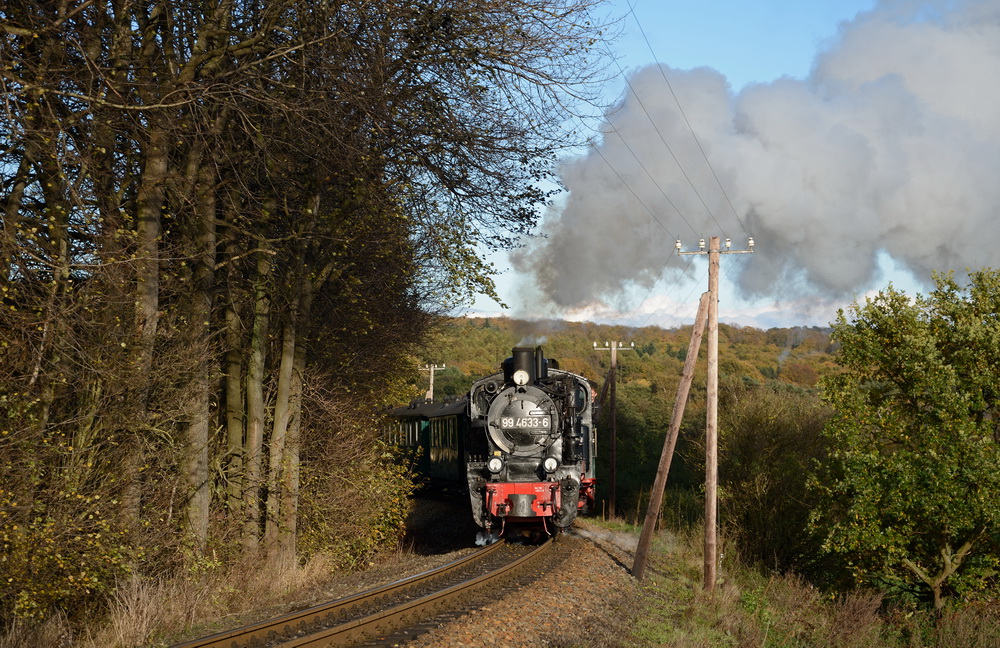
631 8
651 213
650 175
675 285
669 149
653 179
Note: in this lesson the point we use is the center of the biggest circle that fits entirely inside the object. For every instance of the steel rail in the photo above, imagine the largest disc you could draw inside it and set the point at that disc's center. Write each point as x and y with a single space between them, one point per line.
326 613
398 615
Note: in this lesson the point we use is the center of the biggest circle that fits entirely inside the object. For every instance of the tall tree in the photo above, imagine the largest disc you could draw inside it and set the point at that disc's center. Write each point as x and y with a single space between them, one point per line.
912 491
207 205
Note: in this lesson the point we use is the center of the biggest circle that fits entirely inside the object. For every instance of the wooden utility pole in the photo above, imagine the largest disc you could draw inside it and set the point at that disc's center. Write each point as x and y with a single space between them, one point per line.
712 420
712 406
614 348
670 442
431 368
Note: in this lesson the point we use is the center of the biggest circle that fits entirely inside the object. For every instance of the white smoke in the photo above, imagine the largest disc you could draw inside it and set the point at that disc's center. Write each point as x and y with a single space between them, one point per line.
890 146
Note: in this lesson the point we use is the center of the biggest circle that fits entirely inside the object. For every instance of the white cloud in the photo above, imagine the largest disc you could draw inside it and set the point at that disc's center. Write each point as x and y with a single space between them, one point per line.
889 147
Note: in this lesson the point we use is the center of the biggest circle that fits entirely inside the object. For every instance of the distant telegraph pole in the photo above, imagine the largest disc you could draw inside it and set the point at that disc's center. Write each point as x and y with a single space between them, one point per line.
712 407
614 348
431 368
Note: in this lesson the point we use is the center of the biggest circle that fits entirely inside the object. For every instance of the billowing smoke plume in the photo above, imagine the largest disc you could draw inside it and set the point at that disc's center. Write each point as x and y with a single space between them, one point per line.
892 145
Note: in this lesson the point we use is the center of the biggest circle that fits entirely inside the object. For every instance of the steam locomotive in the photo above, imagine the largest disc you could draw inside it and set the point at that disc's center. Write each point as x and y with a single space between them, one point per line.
522 444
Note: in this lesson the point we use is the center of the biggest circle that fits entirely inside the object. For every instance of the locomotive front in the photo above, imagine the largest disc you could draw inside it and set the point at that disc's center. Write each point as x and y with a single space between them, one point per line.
533 444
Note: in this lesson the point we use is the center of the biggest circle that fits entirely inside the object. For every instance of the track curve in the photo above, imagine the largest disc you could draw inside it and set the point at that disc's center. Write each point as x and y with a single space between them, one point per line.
351 620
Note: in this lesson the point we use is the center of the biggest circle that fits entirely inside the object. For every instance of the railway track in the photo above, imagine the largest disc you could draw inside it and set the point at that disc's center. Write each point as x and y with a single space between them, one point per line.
377 612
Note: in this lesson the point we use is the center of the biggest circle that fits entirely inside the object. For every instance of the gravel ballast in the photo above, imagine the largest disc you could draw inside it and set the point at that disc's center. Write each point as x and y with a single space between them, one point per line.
584 602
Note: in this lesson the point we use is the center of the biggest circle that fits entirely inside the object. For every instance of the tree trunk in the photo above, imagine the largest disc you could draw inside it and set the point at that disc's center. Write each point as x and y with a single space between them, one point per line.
150 197
290 469
255 402
276 448
12 207
198 415
950 562
233 364
234 410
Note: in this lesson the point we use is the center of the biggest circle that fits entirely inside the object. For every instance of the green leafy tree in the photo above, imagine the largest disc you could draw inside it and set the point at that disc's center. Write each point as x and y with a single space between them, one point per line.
912 487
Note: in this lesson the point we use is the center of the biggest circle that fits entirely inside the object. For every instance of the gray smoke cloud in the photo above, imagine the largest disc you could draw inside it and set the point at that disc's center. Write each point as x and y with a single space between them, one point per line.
891 145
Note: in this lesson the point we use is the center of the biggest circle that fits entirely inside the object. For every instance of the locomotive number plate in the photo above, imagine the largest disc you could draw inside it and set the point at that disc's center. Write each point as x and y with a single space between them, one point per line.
522 422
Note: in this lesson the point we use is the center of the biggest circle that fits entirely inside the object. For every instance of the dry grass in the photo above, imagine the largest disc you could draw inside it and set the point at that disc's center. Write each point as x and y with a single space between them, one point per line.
210 598
145 611
750 609
973 626
55 632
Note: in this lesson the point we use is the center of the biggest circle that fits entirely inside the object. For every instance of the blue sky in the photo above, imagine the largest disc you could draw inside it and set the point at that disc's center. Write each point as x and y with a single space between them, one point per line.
745 41
768 53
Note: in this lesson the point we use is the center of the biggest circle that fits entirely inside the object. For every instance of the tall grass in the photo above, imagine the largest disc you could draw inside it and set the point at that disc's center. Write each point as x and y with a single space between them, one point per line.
751 607
155 611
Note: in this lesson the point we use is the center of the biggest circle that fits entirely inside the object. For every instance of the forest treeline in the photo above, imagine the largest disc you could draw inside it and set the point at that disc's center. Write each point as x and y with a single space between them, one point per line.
771 415
860 455
225 226
473 347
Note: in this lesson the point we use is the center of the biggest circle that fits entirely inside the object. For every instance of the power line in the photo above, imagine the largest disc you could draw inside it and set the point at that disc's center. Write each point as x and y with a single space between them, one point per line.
650 175
632 191
676 161
670 150
686 121
682 303
675 285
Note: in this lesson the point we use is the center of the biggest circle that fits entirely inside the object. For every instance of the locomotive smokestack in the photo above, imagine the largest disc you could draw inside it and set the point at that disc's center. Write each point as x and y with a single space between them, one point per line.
541 366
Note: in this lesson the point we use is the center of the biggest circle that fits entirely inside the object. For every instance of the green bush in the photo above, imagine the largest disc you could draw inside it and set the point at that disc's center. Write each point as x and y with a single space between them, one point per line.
58 553
769 439
354 505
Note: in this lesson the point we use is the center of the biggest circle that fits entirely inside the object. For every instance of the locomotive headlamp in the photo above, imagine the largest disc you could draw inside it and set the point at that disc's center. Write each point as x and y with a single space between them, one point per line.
494 464
521 377
550 464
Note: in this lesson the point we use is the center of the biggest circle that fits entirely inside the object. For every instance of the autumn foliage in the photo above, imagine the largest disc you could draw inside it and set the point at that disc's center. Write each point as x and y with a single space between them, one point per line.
225 228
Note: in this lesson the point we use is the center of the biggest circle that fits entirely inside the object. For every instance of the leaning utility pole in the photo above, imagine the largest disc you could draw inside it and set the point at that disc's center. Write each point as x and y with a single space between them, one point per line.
431 368
614 348
670 442
712 406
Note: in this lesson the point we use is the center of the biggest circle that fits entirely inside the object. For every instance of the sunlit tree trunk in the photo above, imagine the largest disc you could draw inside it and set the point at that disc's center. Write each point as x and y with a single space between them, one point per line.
291 469
256 415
